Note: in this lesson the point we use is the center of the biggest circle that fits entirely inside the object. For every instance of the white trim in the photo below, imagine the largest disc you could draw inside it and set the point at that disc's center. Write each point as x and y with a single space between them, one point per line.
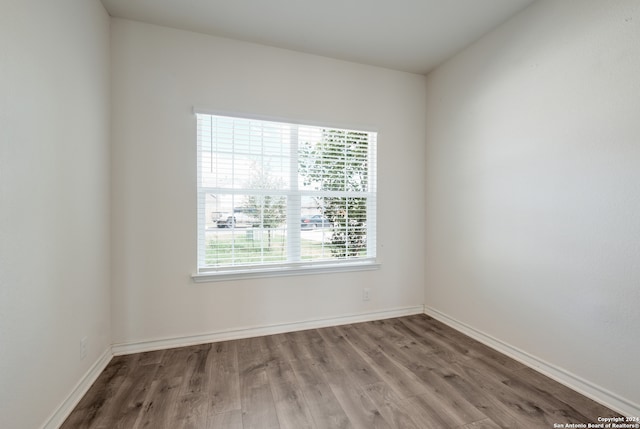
62 412
561 375
282 271
235 334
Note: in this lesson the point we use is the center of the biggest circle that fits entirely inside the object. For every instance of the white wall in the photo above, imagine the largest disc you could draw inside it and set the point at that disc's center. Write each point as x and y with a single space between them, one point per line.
54 202
159 74
533 189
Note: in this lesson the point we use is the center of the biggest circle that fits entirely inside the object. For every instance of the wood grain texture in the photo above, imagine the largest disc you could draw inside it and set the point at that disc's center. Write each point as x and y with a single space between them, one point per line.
411 372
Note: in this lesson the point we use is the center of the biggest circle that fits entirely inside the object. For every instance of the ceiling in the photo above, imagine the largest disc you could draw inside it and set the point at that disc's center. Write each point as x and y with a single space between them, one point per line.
407 35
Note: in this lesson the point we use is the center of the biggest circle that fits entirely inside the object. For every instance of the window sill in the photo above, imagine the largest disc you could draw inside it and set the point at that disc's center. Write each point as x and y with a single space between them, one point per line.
282 271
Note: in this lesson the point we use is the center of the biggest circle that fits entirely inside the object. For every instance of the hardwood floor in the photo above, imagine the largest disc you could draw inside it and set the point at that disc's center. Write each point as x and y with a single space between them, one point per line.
412 372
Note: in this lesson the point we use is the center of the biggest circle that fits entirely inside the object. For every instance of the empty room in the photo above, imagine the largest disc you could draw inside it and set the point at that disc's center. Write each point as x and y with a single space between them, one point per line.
339 214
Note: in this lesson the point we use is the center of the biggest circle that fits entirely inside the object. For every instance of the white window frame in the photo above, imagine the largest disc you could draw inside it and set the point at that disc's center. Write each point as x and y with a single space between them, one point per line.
294 265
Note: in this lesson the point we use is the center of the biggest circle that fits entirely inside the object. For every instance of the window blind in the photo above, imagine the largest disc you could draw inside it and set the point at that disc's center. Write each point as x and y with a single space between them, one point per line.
274 194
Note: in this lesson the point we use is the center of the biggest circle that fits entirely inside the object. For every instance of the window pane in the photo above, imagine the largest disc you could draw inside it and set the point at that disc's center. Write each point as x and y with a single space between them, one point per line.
334 160
245 229
348 217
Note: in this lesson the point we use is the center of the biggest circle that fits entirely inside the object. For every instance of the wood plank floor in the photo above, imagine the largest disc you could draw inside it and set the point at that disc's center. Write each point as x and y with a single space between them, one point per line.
411 372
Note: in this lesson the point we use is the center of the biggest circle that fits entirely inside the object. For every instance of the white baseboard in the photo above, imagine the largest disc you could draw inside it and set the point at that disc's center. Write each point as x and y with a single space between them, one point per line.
236 334
579 384
63 411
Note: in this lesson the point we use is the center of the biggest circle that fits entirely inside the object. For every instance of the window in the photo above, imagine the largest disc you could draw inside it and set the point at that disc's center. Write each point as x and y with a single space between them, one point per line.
279 197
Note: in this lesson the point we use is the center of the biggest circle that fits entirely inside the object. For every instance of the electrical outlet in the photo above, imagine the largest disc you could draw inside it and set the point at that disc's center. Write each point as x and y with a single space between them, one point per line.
366 294
83 348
